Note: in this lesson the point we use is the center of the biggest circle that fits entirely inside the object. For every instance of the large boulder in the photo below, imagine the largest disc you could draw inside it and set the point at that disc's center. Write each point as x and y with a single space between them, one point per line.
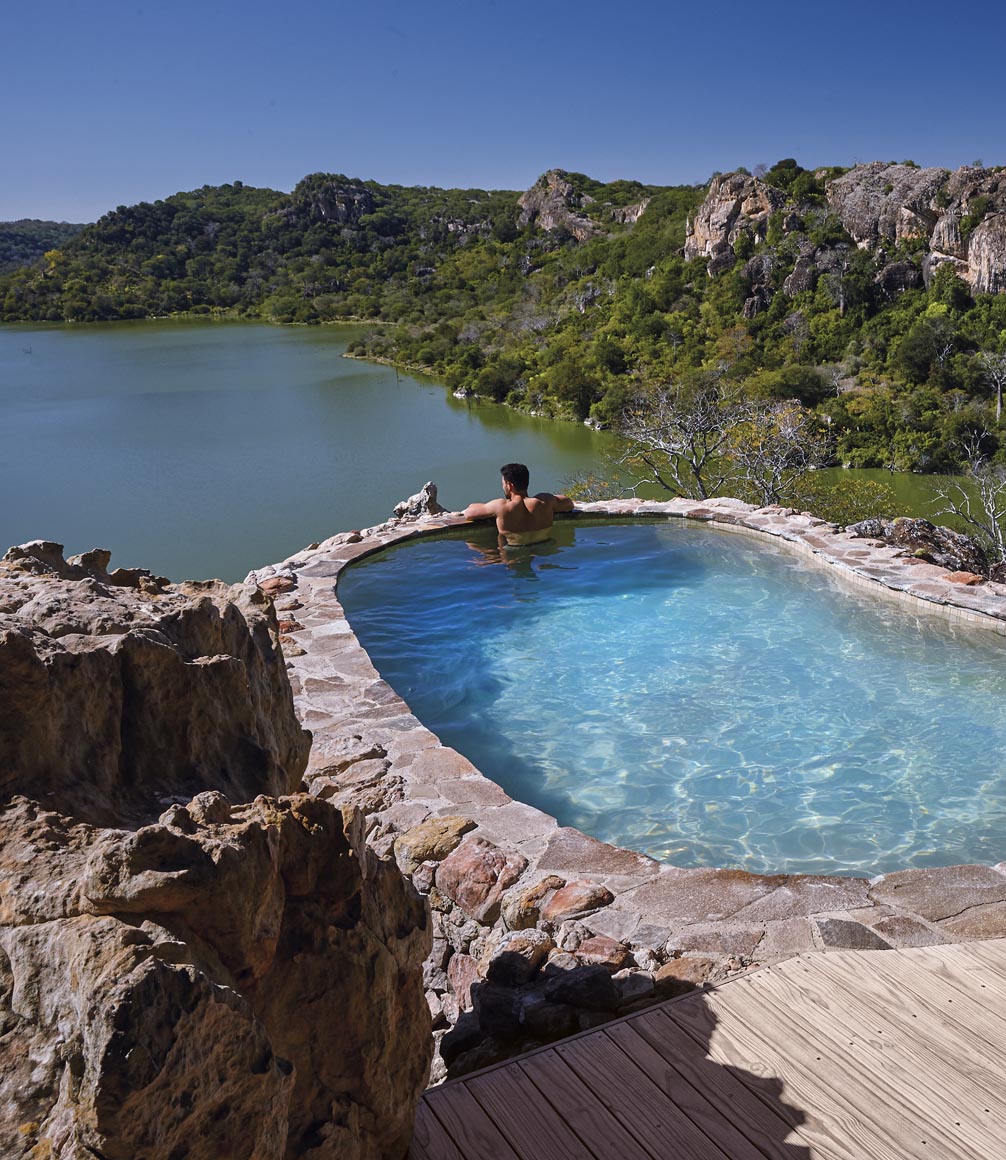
196 960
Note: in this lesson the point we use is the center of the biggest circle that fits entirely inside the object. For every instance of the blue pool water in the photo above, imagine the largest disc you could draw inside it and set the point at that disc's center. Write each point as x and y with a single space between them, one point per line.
697 695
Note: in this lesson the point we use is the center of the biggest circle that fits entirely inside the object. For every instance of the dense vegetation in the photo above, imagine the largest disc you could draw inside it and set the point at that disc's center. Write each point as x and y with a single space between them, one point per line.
23 242
457 284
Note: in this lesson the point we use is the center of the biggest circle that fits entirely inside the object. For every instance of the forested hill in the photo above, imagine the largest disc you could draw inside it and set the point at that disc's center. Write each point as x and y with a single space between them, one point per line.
871 294
25 241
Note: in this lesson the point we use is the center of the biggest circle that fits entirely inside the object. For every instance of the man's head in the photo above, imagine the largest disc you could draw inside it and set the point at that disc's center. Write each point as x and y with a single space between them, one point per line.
515 477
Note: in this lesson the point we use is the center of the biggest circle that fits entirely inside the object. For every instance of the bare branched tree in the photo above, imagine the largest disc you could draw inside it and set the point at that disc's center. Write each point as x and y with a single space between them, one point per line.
774 446
679 438
982 506
994 369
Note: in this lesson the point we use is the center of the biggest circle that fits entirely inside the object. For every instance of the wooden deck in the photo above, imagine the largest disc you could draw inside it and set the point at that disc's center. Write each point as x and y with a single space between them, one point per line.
865 1055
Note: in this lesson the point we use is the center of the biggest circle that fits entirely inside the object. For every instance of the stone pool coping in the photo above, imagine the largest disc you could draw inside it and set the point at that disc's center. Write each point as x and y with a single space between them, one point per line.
479 854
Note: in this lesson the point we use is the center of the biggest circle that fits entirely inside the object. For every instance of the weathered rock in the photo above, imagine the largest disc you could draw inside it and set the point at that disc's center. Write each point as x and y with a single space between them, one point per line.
522 906
601 951
897 277
576 899
803 276
735 203
589 987
940 892
512 958
278 903
463 976
236 975
498 1010
116 699
847 935
680 976
476 874
552 204
423 503
431 840
987 256
878 202
907 932
544 1019
937 545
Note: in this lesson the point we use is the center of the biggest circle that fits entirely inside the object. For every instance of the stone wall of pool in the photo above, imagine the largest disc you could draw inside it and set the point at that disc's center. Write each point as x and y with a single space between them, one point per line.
539 930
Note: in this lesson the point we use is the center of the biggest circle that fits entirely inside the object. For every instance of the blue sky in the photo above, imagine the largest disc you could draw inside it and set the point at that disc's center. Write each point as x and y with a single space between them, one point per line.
114 103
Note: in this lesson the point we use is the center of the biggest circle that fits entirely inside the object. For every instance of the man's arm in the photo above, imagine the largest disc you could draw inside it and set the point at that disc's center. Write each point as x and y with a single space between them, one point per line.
483 511
558 503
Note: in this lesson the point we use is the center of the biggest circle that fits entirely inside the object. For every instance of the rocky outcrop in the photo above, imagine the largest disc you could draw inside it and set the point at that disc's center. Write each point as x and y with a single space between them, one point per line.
957 218
736 203
897 277
880 203
936 545
552 204
987 256
196 959
628 215
328 198
118 696
423 503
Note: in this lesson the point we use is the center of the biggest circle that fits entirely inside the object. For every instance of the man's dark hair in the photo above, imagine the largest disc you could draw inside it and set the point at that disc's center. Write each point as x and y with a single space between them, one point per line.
516 474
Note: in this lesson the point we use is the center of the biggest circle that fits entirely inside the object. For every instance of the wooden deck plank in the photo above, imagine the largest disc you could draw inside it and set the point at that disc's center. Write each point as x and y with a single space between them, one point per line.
841 1095
738 1123
852 1034
938 983
920 1045
652 1117
527 1118
472 1132
430 1140
894 1055
570 1096
934 1014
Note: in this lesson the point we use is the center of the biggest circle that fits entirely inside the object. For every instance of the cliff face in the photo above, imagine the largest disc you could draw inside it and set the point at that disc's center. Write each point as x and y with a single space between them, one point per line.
196 959
955 218
735 202
552 204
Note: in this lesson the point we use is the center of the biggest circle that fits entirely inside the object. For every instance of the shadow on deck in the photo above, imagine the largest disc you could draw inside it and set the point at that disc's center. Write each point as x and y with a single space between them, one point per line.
868 1055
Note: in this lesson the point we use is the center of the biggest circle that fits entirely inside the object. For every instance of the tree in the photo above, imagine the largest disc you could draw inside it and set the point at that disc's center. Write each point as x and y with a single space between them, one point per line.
678 437
994 371
983 507
773 446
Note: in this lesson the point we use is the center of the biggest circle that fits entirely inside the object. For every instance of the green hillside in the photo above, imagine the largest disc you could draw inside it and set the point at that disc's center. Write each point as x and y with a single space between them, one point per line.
577 298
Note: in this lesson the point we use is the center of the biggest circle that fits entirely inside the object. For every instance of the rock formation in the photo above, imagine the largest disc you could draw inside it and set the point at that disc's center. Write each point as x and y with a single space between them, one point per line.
936 545
957 218
552 204
196 959
736 203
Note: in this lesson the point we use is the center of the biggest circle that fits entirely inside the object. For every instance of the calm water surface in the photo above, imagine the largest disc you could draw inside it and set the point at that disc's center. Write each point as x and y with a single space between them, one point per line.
206 449
699 697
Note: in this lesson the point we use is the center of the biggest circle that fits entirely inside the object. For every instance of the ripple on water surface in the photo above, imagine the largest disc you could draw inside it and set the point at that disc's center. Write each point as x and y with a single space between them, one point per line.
699 696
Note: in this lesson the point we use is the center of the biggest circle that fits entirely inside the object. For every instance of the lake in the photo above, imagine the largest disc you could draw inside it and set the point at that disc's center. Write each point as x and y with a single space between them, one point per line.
201 449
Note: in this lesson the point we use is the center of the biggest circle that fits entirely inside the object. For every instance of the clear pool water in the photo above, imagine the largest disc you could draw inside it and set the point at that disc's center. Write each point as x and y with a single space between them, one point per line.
699 696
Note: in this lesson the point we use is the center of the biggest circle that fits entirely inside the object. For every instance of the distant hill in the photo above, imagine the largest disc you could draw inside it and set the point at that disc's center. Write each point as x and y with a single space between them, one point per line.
873 295
25 241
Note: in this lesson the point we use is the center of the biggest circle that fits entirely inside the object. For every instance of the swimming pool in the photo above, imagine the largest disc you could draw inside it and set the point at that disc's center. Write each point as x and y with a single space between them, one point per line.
700 696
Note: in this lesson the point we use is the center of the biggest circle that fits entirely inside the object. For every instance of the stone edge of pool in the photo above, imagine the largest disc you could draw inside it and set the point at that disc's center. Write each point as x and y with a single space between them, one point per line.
502 876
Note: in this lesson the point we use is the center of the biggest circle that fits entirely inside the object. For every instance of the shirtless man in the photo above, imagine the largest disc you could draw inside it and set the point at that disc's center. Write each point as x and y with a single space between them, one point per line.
520 518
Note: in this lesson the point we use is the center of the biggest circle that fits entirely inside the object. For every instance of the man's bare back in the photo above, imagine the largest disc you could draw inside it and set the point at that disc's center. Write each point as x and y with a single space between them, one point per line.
521 518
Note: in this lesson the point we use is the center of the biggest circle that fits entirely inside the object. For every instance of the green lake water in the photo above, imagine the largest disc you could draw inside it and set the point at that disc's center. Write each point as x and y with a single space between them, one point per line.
201 449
